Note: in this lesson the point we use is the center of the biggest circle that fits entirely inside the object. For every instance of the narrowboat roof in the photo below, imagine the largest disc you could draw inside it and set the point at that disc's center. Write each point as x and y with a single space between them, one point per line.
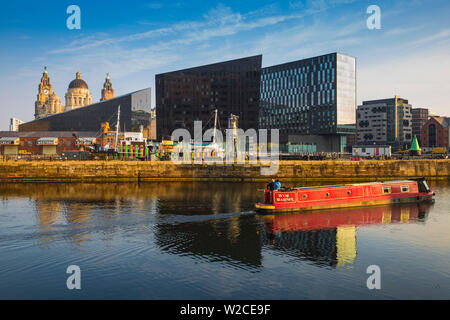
353 185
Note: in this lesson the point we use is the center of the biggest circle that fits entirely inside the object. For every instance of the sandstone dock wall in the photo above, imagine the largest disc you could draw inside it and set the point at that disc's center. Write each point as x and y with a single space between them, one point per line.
91 171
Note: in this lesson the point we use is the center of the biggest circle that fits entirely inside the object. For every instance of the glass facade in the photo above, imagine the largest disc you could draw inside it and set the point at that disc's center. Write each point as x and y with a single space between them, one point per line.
346 90
298 148
189 95
315 96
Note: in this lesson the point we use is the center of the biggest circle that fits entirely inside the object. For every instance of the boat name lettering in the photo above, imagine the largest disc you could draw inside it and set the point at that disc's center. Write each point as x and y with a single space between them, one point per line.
285 197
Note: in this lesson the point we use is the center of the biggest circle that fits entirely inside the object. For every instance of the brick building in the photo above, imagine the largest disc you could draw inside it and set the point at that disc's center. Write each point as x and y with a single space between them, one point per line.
419 118
435 133
43 142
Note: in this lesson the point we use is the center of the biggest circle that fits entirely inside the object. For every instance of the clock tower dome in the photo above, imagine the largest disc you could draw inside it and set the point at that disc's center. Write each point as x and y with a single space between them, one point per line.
107 91
45 88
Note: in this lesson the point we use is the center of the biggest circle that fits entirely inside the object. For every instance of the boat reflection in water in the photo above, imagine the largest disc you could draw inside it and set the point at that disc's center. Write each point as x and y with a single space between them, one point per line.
329 237
207 222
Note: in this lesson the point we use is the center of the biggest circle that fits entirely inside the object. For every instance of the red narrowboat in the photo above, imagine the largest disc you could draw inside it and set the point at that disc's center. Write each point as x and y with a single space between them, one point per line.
345 196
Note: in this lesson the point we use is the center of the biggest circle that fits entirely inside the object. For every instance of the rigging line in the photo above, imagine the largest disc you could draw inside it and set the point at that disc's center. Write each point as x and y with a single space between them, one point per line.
218 122
203 129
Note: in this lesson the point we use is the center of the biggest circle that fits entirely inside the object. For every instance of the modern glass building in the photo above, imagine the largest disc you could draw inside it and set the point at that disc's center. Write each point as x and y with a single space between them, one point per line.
311 97
135 115
189 95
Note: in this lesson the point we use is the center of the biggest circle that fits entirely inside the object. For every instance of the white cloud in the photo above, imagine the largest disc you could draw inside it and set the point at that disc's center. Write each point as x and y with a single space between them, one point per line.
223 34
403 31
441 35
419 77
153 5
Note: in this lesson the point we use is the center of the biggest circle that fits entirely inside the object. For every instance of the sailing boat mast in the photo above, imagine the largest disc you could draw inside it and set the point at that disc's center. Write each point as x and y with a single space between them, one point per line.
215 128
117 127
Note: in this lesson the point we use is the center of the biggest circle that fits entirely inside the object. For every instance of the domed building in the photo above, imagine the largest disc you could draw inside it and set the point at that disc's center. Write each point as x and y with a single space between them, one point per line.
78 94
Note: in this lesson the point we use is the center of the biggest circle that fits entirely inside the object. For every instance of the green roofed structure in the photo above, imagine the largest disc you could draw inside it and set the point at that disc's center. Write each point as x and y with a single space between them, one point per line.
415 148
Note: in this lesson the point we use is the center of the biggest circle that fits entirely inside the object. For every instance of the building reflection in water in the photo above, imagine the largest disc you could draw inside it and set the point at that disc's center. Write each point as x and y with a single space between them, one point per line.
329 237
83 207
211 221
234 240
49 214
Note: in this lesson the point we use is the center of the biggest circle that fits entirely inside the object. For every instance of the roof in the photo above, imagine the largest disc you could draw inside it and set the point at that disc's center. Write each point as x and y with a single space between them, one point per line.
89 105
47 141
355 184
89 140
210 65
47 134
367 146
78 83
415 145
8 140
447 122
443 121
305 59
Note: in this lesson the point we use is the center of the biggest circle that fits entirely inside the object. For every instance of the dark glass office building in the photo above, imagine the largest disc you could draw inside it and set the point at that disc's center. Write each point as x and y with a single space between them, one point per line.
134 112
189 95
312 100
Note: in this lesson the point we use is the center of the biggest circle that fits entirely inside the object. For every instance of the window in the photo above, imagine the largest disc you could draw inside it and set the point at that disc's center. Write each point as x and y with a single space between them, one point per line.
405 188
305 196
327 194
432 140
386 190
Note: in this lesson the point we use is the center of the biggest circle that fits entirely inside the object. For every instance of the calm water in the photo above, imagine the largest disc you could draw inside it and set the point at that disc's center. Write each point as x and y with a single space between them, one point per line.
204 241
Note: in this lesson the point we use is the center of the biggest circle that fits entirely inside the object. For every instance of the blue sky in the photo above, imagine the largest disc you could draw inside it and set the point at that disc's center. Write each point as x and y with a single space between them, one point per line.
134 40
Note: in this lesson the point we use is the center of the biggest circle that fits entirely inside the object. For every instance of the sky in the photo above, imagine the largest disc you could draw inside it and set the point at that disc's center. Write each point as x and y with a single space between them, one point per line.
134 40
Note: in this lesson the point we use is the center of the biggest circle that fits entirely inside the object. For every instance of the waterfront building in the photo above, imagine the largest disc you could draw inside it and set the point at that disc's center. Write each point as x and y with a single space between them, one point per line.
151 130
419 118
44 142
14 124
435 133
385 121
135 111
193 94
78 94
311 100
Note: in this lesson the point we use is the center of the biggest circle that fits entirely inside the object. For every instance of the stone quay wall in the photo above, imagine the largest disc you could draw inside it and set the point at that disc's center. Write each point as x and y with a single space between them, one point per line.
91 171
